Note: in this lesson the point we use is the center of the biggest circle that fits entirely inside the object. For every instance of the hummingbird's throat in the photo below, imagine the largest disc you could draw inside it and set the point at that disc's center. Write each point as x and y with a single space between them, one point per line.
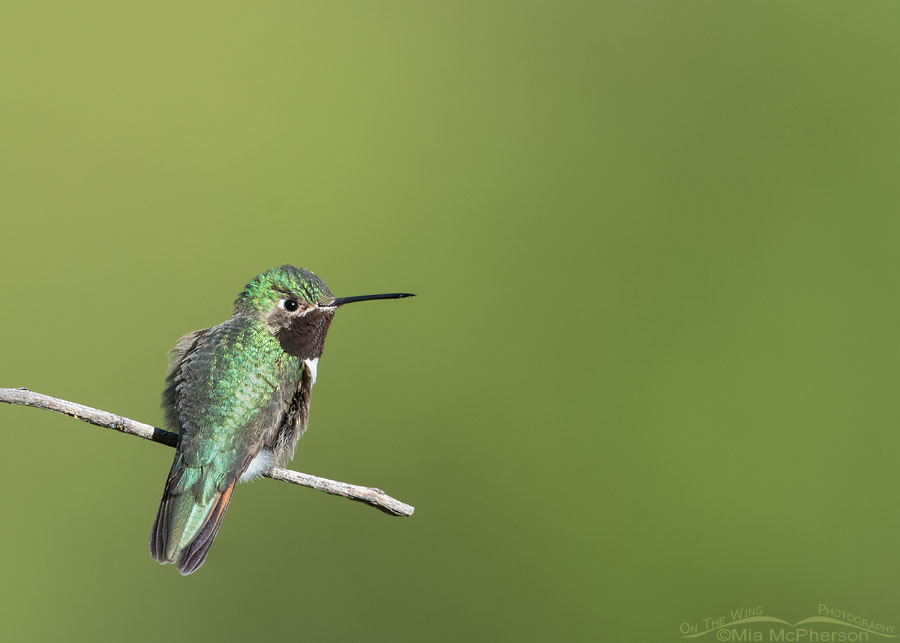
303 336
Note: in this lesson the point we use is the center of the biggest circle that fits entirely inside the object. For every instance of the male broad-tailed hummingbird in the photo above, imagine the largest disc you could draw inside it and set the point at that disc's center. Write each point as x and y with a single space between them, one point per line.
238 395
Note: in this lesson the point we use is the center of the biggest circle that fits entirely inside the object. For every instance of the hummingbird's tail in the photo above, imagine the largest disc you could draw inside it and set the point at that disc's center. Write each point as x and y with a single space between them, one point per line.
188 518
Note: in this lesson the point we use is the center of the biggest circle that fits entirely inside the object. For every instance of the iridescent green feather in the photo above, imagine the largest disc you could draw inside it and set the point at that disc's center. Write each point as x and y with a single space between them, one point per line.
225 392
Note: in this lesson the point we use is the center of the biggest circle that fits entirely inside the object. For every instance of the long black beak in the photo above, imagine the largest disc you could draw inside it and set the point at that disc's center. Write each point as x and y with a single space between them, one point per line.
340 301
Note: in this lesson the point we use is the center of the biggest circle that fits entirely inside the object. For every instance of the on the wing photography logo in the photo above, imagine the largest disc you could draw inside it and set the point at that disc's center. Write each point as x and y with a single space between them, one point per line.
753 624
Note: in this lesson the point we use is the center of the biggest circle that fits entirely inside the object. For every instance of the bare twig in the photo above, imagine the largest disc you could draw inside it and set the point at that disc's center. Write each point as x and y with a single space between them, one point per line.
375 497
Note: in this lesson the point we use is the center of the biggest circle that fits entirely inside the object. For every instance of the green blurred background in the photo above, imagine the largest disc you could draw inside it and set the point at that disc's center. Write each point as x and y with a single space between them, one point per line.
651 375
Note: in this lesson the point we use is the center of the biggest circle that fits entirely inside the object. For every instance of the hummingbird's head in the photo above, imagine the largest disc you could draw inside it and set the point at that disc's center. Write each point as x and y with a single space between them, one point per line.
296 306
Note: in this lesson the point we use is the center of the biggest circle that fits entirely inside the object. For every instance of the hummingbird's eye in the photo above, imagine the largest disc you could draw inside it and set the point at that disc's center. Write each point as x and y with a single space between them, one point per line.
290 305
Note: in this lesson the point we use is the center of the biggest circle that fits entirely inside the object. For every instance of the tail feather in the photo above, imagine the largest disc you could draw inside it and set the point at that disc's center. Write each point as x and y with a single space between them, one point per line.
159 534
194 554
185 526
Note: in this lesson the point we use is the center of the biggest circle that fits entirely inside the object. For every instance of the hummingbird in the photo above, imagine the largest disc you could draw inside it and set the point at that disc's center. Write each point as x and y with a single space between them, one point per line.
238 396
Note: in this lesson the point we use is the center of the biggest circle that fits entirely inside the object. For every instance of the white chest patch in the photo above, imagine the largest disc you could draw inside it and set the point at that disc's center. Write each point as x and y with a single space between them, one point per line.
258 465
313 366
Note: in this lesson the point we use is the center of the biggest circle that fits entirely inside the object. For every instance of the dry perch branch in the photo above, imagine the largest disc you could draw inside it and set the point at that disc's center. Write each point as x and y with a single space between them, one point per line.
375 497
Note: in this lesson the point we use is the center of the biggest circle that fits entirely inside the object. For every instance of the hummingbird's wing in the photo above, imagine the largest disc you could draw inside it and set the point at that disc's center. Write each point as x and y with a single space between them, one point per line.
183 347
227 387
282 438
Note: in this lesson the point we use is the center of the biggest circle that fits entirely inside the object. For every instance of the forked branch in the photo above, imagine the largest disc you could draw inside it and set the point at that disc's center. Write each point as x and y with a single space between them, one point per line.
370 495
